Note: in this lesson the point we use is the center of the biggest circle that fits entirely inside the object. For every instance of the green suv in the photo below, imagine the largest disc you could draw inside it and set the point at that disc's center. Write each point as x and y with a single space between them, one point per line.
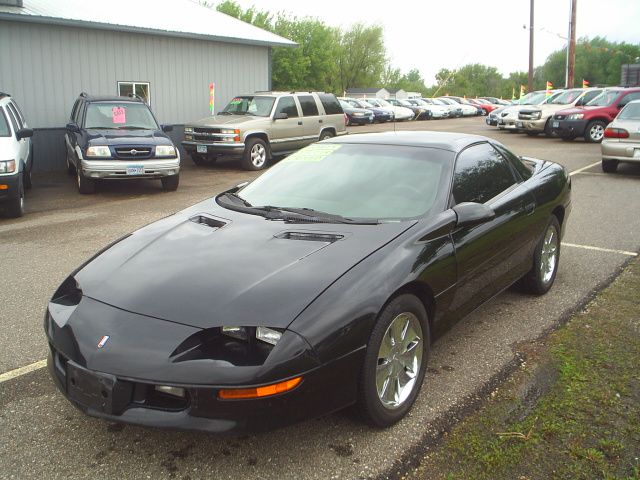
256 127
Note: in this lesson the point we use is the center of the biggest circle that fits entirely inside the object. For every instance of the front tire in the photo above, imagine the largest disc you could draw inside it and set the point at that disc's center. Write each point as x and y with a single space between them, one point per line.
256 154
170 184
609 166
594 133
395 362
85 185
546 258
15 207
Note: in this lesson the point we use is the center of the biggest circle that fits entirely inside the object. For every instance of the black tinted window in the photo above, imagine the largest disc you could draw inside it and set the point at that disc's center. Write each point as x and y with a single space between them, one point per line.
13 118
524 171
628 97
480 174
19 112
5 131
330 104
287 105
74 111
308 104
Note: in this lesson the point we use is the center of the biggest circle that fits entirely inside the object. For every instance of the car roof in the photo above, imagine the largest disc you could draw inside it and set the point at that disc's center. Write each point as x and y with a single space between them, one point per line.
110 98
454 142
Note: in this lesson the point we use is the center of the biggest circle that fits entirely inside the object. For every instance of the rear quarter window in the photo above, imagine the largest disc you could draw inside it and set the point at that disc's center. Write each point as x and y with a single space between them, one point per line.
330 104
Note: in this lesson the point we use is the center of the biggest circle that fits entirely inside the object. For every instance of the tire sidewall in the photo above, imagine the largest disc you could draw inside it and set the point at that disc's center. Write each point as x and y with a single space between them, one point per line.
374 409
541 286
247 164
590 125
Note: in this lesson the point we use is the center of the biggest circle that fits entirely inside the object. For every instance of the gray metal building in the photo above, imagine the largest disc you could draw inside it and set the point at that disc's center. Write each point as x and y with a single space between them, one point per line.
169 52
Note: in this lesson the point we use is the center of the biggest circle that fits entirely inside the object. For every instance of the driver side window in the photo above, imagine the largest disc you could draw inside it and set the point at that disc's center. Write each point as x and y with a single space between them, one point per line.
480 174
287 105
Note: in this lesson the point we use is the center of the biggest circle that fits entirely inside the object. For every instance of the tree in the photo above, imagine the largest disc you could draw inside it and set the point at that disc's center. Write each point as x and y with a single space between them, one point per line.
361 57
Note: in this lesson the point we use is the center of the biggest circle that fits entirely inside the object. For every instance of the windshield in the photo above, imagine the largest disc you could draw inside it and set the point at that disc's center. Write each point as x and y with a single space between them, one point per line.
124 115
566 97
630 112
604 99
345 105
383 102
439 102
356 180
4 126
259 106
366 104
535 98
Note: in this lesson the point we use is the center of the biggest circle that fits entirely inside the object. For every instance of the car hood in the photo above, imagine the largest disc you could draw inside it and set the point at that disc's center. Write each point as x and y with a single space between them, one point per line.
570 111
127 137
547 108
208 266
226 120
357 110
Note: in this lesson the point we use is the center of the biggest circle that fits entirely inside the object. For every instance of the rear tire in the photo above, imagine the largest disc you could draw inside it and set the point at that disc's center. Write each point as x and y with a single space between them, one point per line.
26 178
546 258
397 352
170 184
326 134
594 133
85 185
609 166
256 154
15 207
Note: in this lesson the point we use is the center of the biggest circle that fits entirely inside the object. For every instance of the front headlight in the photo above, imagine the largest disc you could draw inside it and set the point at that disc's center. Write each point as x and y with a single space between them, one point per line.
358 114
536 115
165 151
264 334
231 131
188 129
98 151
575 116
8 166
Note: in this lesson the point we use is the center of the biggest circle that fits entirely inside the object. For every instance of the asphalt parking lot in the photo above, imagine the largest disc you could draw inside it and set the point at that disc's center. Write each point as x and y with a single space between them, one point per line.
43 436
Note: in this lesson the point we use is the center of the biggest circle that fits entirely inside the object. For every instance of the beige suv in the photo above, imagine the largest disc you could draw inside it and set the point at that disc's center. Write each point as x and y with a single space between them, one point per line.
258 126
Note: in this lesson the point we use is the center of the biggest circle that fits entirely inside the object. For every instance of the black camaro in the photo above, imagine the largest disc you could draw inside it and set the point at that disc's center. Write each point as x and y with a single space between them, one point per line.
319 285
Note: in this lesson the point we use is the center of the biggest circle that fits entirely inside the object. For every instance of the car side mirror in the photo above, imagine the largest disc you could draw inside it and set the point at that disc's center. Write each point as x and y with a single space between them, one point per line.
471 213
24 133
280 116
167 128
73 127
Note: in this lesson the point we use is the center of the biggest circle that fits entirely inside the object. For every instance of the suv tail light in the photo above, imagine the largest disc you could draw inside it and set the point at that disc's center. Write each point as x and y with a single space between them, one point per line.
346 119
616 133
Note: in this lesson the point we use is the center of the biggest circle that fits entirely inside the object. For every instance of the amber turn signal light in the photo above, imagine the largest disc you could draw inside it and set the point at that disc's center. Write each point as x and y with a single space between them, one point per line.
259 392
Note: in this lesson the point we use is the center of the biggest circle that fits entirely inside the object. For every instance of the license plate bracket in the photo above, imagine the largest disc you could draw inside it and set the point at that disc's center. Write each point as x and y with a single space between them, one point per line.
91 389
201 148
519 125
555 124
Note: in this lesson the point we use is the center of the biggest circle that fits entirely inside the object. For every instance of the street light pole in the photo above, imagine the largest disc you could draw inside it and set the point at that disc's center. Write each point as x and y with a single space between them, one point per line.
531 48
571 54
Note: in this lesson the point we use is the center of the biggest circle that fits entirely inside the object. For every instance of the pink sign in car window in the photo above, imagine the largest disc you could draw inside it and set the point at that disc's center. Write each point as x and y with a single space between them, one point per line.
118 115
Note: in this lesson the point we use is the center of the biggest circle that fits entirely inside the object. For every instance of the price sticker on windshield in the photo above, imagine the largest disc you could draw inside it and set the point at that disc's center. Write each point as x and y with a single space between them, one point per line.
313 153
118 115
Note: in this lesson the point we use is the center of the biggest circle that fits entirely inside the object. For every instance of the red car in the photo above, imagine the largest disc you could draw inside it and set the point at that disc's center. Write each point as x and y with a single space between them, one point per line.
590 120
486 106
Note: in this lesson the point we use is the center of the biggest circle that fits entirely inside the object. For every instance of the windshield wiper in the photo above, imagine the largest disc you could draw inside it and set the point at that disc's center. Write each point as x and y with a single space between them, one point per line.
237 199
310 212
127 127
225 113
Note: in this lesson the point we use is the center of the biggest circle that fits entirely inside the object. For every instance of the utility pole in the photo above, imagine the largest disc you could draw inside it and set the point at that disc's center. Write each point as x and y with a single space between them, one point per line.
530 49
571 55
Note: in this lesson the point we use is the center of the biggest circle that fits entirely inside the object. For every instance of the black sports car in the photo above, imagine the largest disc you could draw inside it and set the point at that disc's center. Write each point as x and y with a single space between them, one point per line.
318 285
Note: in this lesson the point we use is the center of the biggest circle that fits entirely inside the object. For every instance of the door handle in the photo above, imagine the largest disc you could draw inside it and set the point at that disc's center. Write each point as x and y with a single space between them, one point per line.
320 121
299 123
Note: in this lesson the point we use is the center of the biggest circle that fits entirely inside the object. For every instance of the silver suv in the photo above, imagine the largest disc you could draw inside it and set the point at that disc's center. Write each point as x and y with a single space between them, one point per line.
256 127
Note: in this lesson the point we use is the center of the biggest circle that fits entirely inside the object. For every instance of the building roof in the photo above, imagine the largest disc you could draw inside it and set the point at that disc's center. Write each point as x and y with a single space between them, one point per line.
178 18
394 90
364 90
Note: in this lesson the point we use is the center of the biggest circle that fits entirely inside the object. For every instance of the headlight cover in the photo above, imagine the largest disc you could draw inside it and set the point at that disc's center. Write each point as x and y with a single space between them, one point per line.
7 166
188 129
575 116
264 334
165 151
98 151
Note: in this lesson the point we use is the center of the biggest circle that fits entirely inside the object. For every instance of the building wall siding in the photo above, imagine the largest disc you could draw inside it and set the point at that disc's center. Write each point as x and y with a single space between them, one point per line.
45 67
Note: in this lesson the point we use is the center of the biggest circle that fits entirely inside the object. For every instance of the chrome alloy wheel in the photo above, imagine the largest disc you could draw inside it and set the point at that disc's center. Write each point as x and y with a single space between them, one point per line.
258 155
596 132
549 254
399 360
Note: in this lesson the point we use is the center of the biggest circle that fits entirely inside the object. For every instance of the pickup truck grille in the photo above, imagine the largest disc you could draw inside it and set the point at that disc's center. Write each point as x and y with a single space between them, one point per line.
205 134
129 153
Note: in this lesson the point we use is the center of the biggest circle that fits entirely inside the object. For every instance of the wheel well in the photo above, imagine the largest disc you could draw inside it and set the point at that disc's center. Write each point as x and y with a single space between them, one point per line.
262 136
328 129
559 213
424 294
597 119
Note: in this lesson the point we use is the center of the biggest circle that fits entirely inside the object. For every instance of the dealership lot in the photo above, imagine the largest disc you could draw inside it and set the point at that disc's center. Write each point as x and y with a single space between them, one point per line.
44 436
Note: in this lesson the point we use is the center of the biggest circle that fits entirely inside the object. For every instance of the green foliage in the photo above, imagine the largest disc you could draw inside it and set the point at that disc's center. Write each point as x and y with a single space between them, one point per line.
361 57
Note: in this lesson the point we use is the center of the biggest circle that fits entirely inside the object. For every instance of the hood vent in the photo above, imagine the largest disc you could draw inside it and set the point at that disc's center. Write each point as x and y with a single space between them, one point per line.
311 236
207 221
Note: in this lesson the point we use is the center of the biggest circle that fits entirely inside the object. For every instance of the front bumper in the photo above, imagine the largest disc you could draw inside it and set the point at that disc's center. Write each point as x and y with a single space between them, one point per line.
621 151
569 128
117 379
9 186
533 125
234 149
361 120
110 169
509 124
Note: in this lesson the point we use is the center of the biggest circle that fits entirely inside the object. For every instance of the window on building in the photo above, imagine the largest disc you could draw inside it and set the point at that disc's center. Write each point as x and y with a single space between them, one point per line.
141 89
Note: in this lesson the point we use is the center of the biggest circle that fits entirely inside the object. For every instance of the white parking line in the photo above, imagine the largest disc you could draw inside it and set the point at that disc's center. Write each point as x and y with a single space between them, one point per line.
22 371
599 249
584 168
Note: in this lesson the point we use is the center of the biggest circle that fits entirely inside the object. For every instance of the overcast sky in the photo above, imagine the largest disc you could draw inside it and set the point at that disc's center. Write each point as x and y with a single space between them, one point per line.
432 34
